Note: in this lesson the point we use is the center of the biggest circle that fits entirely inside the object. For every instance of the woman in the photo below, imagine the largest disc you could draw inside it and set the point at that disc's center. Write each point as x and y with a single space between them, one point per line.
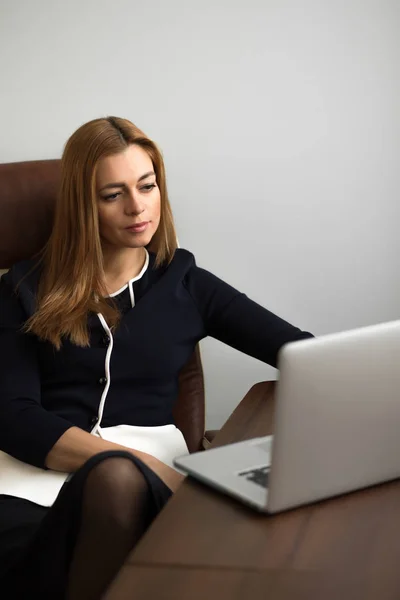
93 335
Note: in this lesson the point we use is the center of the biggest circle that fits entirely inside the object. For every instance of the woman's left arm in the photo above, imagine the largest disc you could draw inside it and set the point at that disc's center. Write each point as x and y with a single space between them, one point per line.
231 317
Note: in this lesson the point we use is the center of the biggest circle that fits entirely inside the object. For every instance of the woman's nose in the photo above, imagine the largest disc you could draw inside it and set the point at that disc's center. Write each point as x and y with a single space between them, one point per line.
133 204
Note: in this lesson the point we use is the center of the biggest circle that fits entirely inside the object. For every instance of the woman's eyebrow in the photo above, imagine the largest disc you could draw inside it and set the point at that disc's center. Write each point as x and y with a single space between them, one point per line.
112 185
119 184
146 175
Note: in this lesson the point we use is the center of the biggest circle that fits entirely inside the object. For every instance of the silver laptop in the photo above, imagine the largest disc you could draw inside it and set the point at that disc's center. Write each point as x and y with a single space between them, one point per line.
337 425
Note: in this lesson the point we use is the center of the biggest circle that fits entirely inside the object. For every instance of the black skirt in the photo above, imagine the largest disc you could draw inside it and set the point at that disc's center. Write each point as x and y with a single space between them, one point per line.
37 543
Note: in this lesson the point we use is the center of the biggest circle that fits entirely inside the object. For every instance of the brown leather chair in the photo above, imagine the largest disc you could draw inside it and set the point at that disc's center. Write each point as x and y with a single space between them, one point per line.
27 196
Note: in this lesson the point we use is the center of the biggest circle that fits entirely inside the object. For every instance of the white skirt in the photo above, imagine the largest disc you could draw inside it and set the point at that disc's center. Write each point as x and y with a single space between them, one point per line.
42 486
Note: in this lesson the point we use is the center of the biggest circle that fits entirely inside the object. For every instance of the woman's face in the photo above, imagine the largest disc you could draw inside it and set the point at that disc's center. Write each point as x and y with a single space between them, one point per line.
128 198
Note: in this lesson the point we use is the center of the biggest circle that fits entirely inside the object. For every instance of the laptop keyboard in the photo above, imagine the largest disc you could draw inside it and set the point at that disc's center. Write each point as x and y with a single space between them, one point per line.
258 475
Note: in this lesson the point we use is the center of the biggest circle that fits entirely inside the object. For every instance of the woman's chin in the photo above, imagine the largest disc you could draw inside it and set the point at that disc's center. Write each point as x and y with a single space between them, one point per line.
139 241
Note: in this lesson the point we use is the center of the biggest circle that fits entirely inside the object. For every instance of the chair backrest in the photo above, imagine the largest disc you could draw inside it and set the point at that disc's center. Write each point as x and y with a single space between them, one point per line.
27 197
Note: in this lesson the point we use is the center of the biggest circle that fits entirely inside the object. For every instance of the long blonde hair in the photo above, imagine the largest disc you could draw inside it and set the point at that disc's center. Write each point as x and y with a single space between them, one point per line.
71 281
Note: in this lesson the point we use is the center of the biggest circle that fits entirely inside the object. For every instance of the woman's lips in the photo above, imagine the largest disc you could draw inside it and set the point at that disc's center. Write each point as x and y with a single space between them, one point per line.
138 228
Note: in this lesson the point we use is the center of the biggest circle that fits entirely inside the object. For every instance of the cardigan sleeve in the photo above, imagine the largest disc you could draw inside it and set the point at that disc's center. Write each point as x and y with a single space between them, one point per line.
27 430
231 317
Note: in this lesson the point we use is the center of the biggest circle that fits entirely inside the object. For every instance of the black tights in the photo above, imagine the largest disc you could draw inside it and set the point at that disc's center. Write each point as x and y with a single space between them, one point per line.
83 540
113 518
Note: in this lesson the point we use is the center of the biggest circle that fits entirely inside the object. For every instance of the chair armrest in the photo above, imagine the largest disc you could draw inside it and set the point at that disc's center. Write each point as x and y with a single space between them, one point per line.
261 396
208 438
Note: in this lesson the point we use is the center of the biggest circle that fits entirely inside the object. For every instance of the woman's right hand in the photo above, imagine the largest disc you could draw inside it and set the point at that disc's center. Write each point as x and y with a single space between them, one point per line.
76 446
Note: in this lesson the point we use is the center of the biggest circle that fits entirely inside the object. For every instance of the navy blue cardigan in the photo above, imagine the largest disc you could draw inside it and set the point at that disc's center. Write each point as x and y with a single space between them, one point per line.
44 392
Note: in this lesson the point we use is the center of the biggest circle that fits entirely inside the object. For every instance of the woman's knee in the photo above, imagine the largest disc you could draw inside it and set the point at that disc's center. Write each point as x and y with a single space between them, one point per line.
115 491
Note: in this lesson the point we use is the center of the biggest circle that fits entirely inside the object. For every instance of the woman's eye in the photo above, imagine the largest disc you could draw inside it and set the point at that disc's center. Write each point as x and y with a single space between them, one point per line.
112 196
148 187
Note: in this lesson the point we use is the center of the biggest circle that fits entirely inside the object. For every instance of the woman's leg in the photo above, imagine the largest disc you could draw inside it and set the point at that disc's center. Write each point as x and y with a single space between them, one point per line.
84 538
113 518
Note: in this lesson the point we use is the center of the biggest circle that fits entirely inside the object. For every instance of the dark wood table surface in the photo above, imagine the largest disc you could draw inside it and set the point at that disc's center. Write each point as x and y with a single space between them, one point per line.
205 544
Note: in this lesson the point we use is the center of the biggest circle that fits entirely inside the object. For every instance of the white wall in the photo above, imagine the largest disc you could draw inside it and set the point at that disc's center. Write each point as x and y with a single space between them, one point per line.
279 121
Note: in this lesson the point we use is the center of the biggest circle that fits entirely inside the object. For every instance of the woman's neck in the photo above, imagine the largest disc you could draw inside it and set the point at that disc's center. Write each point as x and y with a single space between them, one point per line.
121 265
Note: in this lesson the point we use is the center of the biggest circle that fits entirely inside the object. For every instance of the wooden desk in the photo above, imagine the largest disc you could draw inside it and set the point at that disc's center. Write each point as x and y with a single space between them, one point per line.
206 544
